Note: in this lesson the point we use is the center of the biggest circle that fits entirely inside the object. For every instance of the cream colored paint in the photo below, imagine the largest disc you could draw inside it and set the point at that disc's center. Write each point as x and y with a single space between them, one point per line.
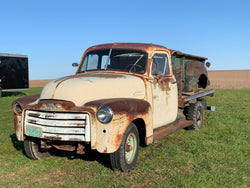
94 86
165 103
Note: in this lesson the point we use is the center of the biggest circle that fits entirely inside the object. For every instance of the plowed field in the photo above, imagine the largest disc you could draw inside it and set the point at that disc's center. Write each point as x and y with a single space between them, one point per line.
230 79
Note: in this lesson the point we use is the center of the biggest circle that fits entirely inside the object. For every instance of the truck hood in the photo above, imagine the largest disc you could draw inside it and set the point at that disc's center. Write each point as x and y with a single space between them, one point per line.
87 87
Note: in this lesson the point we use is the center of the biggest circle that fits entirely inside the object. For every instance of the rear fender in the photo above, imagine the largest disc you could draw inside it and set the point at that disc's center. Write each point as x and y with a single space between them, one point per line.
196 75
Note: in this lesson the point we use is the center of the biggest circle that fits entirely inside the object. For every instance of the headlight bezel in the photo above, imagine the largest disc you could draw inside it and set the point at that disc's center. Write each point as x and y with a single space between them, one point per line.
104 114
17 108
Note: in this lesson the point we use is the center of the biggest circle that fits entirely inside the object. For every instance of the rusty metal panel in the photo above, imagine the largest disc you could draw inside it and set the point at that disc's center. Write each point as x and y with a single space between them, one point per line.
189 56
178 76
193 71
161 132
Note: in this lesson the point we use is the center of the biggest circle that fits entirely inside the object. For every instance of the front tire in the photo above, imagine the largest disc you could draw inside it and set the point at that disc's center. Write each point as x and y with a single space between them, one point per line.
125 158
33 150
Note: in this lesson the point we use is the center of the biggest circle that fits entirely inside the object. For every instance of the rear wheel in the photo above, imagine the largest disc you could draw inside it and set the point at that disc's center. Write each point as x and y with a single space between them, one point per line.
126 156
195 112
33 150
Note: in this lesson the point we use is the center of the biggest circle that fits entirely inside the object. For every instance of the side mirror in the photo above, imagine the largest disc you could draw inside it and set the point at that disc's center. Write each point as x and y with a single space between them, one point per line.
208 64
75 64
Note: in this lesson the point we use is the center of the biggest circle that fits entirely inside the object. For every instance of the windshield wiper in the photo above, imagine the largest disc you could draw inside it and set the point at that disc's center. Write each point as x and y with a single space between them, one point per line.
135 63
106 66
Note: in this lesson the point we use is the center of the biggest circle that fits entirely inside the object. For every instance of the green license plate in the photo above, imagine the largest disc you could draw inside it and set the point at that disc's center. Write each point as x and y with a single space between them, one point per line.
33 131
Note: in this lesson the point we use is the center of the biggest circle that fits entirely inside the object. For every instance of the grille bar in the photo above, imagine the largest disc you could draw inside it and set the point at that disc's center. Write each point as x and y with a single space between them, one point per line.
57 130
56 123
57 115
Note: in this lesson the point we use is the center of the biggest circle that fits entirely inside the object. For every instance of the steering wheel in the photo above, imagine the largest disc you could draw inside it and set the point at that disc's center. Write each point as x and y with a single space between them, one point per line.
129 66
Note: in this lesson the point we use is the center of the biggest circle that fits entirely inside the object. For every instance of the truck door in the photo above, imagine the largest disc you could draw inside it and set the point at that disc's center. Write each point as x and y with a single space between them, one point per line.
164 90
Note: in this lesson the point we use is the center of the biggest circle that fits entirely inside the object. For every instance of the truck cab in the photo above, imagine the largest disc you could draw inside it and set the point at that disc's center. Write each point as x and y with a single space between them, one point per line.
123 95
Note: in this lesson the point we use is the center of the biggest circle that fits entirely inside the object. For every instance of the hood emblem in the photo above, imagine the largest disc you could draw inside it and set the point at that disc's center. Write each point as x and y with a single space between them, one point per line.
51 107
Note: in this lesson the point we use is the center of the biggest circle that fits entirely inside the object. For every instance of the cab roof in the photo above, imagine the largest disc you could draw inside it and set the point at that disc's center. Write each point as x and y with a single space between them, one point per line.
148 47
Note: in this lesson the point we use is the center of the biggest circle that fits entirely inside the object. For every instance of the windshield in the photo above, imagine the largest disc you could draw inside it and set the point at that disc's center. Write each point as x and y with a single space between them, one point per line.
115 59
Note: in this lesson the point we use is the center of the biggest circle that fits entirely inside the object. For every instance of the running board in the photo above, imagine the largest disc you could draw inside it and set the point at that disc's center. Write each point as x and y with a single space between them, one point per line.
161 132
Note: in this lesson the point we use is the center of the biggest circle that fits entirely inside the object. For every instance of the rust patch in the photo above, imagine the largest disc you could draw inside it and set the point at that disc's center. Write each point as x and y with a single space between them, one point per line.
65 147
121 106
15 123
118 139
80 149
164 82
164 131
181 102
149 140
52 138
25 101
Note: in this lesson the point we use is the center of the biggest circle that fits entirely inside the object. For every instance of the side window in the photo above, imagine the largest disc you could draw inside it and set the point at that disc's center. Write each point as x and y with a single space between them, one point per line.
92 62
160 65
104 61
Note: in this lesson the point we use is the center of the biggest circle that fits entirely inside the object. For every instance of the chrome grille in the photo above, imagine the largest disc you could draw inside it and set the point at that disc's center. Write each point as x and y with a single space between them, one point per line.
57 125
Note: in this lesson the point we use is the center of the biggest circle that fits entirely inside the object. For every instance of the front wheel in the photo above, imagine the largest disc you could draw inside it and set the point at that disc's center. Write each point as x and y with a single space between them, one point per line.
126 156
33 150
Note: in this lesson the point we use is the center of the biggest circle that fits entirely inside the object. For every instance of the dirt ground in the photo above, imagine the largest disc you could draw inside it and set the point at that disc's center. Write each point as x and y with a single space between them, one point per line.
221 79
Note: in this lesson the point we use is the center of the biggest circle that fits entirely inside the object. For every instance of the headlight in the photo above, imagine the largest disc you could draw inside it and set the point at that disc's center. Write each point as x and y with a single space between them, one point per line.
17 108
104 114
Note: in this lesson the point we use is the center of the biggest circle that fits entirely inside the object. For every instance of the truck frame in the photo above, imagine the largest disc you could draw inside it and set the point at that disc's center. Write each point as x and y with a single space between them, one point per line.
123 95
14 73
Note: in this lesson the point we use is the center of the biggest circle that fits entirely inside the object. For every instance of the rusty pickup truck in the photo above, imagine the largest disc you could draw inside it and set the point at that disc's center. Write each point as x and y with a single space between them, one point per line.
123 95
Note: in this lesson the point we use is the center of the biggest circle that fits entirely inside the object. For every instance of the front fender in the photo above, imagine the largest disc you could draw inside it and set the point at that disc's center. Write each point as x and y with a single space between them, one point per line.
108 137
23 102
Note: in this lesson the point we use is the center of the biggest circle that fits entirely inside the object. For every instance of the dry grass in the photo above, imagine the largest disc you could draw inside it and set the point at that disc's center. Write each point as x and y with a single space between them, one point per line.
223 79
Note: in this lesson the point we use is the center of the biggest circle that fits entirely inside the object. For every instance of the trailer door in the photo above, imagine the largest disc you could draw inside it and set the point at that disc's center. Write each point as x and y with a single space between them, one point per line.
14 72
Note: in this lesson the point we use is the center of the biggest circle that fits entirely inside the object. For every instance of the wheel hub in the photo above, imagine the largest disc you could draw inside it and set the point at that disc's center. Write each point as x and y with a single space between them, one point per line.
130 148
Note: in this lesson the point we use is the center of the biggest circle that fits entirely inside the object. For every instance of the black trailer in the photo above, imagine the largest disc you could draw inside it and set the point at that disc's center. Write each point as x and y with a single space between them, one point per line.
14 73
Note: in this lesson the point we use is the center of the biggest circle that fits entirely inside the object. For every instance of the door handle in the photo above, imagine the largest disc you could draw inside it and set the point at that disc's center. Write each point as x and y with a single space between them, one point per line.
173 82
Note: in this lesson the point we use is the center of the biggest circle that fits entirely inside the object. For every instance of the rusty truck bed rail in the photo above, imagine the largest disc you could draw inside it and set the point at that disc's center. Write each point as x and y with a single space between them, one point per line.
199 94
188 96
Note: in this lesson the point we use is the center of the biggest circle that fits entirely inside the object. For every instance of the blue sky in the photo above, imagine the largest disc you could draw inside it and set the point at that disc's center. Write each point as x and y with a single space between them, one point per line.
54 33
